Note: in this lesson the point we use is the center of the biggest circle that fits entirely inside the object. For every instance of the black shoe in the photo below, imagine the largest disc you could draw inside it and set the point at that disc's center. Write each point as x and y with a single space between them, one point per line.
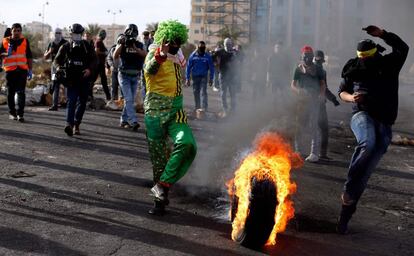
20 119
12 117
158 209
342 225
346 214
76 130
53 108
69 130
135 126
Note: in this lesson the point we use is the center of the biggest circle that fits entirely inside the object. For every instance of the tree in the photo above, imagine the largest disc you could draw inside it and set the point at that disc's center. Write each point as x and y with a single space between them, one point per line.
153 26
93 29
232 32
34 40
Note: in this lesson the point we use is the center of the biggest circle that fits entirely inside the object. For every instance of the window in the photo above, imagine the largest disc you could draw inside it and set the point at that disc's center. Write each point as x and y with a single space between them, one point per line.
197 9
197 20
202 30
196 31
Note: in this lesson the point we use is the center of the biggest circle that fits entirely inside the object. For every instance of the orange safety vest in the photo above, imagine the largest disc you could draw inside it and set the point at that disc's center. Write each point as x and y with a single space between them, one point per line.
17 59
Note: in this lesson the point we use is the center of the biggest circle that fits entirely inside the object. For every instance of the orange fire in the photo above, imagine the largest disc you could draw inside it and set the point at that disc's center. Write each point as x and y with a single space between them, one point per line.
272 159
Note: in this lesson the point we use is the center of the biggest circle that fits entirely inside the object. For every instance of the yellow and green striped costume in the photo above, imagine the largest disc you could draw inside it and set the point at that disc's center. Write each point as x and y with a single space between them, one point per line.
164 116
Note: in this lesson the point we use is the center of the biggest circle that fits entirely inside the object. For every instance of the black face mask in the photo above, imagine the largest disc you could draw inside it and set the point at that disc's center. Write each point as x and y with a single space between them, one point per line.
308 60
202 49
173 50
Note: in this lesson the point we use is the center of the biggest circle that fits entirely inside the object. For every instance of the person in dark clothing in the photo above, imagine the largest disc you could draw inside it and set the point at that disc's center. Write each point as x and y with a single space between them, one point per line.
7 33
370 82
52 50
17 62
227 77
101 53
319 59
309 86
74 61
87 36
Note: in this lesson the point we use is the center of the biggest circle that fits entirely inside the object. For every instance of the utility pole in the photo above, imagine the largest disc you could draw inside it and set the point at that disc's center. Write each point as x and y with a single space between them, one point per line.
43 24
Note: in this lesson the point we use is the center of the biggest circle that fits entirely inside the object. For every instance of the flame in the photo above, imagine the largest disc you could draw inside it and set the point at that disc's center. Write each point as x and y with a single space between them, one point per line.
272 159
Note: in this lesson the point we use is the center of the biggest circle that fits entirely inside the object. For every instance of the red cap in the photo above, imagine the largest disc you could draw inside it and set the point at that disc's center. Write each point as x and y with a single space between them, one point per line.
306 49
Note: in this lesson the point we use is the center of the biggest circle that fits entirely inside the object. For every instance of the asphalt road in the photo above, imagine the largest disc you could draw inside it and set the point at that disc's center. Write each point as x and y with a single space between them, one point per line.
89 195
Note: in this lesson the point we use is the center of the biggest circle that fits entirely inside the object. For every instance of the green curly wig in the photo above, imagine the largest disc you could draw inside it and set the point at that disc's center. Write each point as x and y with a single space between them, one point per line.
171 30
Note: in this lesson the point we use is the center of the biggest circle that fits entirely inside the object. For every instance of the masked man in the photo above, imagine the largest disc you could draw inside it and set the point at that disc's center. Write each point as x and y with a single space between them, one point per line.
74 62
309 86
164 114
370 82
51 52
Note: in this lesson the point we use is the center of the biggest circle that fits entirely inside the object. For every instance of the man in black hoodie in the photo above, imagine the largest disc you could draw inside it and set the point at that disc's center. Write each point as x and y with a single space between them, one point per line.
370 82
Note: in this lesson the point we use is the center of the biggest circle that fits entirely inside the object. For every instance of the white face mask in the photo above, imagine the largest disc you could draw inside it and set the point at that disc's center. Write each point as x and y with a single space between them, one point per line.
76 37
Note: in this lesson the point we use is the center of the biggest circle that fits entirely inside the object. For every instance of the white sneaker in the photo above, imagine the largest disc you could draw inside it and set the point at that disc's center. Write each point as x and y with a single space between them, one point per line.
312 158
215 89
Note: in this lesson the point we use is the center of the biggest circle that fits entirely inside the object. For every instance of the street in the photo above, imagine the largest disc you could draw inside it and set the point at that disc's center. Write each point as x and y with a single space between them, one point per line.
89 194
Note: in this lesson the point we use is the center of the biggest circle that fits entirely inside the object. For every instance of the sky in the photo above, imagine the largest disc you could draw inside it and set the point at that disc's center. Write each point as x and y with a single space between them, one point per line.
63 13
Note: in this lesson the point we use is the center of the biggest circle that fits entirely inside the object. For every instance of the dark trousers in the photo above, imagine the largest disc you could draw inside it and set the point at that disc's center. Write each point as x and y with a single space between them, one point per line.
56 91
16 86
324 128
104 80
115 85
77 95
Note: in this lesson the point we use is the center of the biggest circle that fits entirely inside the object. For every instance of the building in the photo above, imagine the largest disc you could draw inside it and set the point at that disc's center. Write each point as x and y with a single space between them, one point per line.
112 32
212 20
43 29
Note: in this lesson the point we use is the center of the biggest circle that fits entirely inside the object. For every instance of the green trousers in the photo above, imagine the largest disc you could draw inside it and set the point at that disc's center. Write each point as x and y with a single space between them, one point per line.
169 166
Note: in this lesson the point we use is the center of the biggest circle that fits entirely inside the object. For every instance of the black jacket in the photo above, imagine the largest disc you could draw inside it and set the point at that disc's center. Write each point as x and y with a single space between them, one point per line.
379 79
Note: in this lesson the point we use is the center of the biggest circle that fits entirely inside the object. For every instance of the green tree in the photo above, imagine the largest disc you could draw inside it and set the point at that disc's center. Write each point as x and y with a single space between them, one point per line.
93 29
35 43
232 32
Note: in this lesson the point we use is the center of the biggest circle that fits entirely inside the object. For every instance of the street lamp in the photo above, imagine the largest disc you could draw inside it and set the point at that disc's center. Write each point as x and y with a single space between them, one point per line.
43 23
113 13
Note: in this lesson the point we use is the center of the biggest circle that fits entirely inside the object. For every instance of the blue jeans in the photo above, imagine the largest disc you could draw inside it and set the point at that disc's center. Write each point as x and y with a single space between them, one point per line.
129 86
77 95
373 139
200 84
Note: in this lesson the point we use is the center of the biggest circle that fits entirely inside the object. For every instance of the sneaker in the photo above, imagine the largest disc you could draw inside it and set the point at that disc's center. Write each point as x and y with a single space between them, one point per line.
124 125
325 158
53 108
135 126
215 89
20 119
346 199
12 117
312 158
159 192
69 130
76 130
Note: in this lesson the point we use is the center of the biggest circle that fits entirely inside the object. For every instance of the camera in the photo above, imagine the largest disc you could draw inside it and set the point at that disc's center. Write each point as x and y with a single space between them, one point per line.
130 40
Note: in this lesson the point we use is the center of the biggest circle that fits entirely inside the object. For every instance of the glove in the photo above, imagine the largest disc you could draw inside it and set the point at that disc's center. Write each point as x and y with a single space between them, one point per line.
30 75
210 83
336 102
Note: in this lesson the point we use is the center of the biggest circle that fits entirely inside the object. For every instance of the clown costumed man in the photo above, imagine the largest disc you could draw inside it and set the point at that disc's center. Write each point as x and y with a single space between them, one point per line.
164 114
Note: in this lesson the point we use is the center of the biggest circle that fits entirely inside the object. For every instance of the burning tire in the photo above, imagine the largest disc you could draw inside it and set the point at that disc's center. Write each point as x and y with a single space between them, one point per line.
261 219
